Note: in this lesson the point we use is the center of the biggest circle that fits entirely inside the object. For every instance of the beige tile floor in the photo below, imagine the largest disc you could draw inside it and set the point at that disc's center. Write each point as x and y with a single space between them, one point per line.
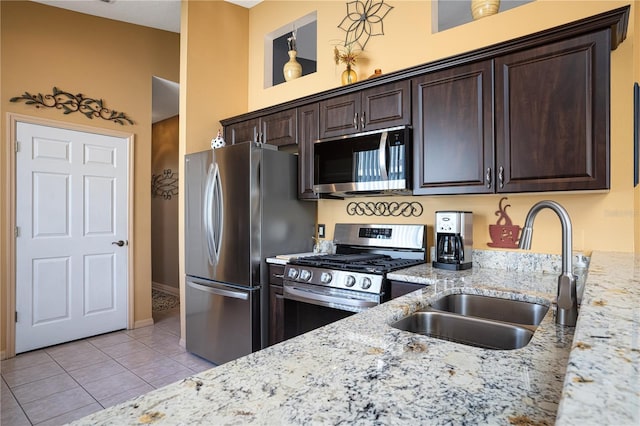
59 384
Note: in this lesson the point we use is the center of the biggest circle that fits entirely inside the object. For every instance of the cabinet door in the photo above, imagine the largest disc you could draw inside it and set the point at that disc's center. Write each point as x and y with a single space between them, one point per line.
276 304
308 133
340 115
552 116
245 131
400 288
276 320
386 106
453 130
280 128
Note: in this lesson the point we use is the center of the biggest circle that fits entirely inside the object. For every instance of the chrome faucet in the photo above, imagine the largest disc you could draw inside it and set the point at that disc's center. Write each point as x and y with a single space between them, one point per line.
567 301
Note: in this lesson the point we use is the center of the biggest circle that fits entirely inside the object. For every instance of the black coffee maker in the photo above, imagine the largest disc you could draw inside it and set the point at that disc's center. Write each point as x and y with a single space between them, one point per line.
454 240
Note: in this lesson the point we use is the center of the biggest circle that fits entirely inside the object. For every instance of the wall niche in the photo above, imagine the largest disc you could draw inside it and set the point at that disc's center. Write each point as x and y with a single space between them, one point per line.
276 48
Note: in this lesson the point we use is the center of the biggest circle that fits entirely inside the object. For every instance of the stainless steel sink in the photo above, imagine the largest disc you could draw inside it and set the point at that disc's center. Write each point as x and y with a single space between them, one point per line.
493 308
466 330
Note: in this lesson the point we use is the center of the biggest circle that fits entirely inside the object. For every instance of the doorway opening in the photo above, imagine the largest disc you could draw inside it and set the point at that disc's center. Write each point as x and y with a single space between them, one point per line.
164 195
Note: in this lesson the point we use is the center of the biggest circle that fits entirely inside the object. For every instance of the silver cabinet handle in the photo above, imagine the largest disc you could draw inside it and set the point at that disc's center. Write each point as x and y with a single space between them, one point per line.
501 176
278 275
355 121
119 243
362 120
488 177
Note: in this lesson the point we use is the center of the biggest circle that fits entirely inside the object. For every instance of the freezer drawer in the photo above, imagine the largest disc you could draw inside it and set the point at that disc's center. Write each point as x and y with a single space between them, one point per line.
222 322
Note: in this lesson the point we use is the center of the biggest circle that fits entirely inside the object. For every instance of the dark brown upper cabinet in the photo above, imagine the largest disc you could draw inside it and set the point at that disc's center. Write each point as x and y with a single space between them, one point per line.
526 115
453 130
552 116
278 129
388 105
551 105
308 133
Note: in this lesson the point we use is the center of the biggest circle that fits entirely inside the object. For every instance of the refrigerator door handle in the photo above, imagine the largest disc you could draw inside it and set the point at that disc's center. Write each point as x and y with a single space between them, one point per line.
213 213
219 291
207 213
218 213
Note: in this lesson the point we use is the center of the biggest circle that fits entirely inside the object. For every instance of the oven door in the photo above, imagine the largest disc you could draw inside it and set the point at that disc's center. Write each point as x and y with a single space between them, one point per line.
307 306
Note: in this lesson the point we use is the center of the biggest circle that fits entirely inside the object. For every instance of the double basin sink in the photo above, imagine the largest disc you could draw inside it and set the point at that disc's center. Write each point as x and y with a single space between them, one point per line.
476 320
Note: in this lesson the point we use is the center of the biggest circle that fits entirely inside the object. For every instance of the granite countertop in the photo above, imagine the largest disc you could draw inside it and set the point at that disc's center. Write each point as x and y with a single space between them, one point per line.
362 371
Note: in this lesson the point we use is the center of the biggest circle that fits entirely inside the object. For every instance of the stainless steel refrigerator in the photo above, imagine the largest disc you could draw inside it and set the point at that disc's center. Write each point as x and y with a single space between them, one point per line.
241 207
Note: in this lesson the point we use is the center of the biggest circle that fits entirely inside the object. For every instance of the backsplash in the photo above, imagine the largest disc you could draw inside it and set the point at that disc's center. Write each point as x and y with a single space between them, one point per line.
525 261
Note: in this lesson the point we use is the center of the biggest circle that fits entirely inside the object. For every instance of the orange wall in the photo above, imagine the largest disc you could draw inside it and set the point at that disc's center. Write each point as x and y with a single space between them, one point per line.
43 47
408 41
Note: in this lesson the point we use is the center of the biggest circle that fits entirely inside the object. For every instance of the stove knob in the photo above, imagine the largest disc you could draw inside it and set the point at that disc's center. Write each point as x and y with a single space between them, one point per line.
325 278
350 281
366 283
292 274
305 275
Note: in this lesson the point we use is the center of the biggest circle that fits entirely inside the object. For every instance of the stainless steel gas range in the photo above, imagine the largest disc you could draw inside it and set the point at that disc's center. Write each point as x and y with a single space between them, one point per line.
318 290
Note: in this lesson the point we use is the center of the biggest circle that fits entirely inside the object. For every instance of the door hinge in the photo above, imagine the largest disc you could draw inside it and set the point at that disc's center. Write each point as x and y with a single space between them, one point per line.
17 231
16 316
17 146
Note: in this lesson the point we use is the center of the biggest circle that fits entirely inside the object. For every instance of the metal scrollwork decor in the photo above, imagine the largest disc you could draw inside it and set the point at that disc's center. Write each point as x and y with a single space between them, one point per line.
164 185
69 103
383 208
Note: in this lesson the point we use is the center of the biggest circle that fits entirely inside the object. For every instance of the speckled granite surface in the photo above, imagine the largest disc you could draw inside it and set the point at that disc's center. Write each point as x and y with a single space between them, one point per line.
602 385
362 371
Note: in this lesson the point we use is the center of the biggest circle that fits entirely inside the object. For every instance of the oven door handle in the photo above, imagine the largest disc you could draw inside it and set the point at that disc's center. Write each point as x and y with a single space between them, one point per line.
315 298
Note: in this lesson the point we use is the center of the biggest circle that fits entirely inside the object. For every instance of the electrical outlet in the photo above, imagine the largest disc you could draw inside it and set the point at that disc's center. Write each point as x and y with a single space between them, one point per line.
321 233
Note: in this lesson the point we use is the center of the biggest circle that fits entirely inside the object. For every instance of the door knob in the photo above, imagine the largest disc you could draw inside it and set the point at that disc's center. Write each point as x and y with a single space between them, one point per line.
118 243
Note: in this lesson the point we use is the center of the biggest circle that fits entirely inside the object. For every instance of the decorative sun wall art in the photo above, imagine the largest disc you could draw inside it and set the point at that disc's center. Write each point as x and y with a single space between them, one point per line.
363 20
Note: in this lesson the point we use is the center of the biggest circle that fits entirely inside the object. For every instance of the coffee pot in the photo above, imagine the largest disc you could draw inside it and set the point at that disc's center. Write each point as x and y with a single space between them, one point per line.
454 240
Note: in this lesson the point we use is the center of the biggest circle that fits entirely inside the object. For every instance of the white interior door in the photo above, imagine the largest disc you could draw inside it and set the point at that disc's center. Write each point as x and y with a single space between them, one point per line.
71 207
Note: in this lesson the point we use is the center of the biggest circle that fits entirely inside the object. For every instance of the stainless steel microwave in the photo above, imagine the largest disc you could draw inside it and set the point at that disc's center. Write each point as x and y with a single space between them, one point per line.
364 164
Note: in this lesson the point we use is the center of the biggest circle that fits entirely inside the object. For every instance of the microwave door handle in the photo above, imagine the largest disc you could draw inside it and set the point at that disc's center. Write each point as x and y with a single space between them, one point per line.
382 157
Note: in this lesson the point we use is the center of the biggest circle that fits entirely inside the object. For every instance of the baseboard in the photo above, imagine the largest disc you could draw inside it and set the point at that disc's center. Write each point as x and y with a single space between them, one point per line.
3 354
165 288
143 323
182 343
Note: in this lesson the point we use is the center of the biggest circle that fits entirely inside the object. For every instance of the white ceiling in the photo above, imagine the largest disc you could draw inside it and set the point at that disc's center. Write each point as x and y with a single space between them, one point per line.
160 14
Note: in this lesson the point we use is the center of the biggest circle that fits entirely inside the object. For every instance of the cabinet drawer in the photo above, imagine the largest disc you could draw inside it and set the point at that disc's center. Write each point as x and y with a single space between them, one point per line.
276 273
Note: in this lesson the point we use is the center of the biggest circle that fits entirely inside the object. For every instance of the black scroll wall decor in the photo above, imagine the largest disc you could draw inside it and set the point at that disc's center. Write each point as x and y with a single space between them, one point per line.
70 103
383 208
164 185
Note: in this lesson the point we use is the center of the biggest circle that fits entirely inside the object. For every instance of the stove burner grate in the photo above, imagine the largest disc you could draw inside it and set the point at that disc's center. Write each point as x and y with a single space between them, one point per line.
370 263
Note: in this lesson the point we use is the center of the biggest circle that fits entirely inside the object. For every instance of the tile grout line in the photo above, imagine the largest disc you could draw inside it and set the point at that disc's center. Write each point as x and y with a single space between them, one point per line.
13 395
164 329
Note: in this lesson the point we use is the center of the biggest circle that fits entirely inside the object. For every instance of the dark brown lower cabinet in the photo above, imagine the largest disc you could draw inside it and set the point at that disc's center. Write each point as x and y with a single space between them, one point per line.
400 288
276 304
